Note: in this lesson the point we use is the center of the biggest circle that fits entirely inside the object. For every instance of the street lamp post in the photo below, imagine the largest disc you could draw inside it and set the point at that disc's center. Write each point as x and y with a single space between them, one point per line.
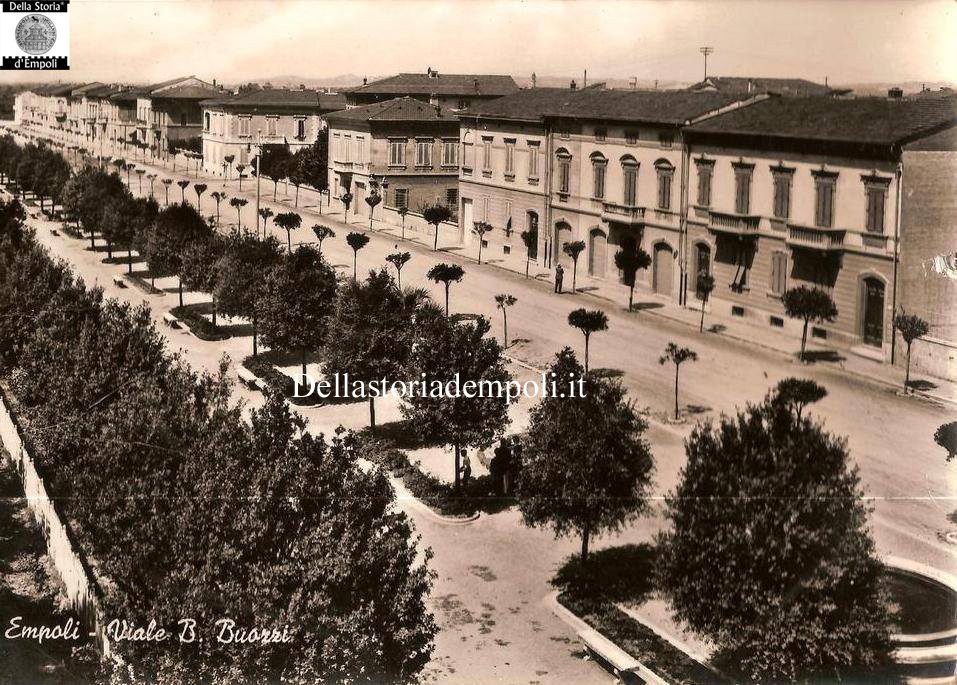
259 154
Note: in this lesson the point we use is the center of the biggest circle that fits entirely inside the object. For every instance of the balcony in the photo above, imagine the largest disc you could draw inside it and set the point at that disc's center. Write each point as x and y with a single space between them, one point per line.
816 238
622 214
741 225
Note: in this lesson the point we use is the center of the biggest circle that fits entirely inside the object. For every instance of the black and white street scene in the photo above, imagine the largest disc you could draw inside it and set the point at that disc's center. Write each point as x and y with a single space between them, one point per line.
478 343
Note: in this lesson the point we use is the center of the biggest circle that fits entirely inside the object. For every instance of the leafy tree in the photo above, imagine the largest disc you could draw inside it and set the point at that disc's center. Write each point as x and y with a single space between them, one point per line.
311 163
167 182
322 232
706 286
809 304
240 274
503 302
530 240
265 214
946 437
372 199
435 215
123 218
798 393
183 185
274 163
446 274
911 328
176 227
769 555
630 261
238 203
398 260
586 467
288 221
677 356
480 229
152 178
240 168
200 188
356 241
374 324
574 250
228 164
449 353
88 192
198 266
588 322
296 302
217 198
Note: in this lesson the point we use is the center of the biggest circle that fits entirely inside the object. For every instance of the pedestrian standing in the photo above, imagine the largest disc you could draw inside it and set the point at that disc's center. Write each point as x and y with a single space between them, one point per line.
466 469
559 276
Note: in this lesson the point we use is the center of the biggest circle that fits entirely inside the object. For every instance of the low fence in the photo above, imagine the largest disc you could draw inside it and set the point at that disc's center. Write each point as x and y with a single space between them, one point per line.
82 591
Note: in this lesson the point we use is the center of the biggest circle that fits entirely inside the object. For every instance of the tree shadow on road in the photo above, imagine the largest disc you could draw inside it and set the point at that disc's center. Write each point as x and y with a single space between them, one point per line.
618 574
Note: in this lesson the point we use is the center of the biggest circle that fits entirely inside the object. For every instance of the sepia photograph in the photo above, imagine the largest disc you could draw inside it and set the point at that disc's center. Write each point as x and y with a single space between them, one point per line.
478 342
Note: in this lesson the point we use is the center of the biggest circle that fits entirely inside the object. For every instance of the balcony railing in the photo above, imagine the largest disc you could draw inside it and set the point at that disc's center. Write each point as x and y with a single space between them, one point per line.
612 211
734 224
816 237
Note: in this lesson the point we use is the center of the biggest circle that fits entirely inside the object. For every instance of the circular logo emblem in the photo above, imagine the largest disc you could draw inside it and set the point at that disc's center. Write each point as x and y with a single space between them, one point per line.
35 34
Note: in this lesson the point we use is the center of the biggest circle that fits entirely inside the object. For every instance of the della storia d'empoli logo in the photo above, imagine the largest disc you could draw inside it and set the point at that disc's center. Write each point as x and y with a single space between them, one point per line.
35 34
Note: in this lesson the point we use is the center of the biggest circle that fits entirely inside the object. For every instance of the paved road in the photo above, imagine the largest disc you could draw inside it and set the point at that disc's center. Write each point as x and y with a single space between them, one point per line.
493 574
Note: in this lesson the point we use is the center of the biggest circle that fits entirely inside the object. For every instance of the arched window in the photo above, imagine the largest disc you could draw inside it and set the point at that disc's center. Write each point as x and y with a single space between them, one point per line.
598 165
665 171
564 169
629 173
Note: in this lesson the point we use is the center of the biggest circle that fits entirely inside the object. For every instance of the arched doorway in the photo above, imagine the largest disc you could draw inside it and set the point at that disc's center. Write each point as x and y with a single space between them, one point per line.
597 253
872 317
663 269
531 225
702 266
563 234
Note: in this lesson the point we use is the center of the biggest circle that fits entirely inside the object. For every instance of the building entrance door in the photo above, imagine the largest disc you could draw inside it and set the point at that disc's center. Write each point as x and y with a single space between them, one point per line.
664 264
467 220
873 312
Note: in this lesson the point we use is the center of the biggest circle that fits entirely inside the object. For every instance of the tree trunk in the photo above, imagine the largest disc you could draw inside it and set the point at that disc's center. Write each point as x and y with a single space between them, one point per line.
303 364
505 326
297 198
214 314
255 340
676 391
907 373
398 276
457 465
526 266
129 256
480 250
288 241
586 353
574 275
92 240
275 188
446 300
109 250
355 266
804 339
239 218
372 415
435 245
180 288
701 324
586 533
631 296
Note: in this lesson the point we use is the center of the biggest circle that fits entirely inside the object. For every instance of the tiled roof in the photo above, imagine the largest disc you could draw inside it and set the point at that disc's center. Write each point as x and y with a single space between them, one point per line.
58 90
743 85
102 91
186 93
877 121
653 106
86 87
397 109
281 98
944 141
489 85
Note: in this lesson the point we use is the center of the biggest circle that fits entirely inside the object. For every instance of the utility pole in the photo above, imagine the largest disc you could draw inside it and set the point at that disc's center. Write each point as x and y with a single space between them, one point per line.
259 154
705 51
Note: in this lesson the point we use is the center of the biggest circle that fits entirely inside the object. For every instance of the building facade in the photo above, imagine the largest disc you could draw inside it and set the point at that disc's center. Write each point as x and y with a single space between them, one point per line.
452 91
233 125
405 146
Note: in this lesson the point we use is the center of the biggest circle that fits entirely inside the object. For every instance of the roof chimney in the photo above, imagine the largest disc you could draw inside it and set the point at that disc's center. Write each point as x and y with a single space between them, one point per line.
364 80
573 85
895 93
476 84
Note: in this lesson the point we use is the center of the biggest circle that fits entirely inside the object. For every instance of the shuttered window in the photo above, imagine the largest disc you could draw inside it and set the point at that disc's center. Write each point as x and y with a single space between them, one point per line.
704 184
875 209
779 272
664 188
630 173
742 190
782 195
824 202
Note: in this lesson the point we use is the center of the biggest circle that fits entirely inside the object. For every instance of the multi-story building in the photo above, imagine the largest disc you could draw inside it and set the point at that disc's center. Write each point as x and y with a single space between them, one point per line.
454 91
599 166
807 191
169 115
749 85
233 124
408 144
927 275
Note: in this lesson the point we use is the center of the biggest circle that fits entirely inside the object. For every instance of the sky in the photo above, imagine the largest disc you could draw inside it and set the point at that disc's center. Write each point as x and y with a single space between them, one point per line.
847 41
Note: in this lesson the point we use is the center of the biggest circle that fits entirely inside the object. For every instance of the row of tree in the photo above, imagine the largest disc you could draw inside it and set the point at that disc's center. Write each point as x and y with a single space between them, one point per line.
197 512
35 169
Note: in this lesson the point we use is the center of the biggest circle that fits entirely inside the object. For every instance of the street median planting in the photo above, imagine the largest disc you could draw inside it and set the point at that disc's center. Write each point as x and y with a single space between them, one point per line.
198 324
264 369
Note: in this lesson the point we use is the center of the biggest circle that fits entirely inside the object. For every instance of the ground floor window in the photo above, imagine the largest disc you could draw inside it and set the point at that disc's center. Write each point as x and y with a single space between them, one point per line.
401 196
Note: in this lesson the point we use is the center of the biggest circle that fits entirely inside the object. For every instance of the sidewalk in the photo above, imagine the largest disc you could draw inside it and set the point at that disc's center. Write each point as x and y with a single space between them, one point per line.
648 304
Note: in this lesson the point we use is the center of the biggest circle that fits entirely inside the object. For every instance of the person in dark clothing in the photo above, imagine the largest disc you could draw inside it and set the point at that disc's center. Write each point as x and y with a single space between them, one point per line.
559 277
496 468
466 469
